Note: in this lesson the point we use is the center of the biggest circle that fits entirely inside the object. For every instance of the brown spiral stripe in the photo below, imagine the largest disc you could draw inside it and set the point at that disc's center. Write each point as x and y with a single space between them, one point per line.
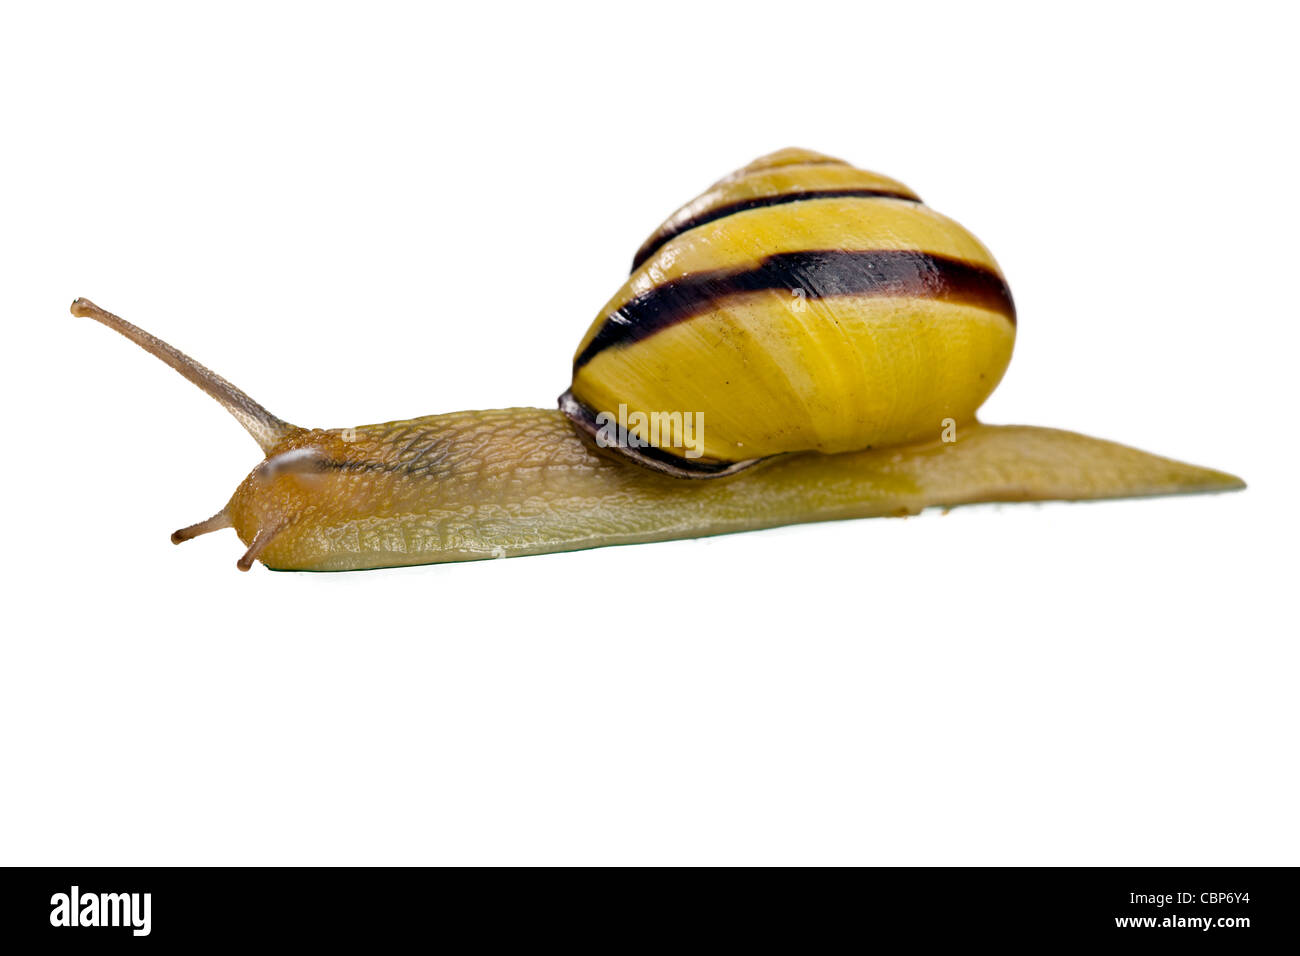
819 273
670 230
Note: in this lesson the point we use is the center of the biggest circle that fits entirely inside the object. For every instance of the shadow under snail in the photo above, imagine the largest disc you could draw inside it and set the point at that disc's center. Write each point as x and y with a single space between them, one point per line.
805 341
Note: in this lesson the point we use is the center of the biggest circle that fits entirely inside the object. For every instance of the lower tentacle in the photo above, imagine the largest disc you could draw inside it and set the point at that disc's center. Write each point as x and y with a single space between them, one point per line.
218 521
261 541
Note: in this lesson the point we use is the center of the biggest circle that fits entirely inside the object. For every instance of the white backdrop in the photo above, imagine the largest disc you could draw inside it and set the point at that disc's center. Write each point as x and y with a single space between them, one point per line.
367 212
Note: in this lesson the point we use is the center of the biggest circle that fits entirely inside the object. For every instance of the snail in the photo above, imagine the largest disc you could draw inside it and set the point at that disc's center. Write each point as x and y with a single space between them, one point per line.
804 341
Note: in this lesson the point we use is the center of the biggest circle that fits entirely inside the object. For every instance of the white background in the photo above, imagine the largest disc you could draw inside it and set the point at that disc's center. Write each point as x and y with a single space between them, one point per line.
366 212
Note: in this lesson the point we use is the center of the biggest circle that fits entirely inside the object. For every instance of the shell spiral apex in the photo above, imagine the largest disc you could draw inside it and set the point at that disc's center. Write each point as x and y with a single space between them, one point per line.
799 304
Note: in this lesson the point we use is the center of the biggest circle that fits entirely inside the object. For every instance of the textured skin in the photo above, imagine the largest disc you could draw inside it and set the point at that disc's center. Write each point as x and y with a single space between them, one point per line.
509 482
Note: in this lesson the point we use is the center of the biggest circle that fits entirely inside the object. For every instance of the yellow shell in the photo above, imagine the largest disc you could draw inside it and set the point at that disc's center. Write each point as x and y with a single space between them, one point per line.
799 304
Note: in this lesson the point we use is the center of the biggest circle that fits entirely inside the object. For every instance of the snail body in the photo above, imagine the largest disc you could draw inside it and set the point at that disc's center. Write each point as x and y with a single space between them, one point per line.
521 481
834 337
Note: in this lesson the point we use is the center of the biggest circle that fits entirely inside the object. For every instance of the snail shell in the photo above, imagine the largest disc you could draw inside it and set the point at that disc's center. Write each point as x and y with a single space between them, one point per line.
799 304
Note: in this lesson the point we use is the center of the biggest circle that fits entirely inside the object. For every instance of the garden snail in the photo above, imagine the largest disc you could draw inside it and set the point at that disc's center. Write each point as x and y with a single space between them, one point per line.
805 341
